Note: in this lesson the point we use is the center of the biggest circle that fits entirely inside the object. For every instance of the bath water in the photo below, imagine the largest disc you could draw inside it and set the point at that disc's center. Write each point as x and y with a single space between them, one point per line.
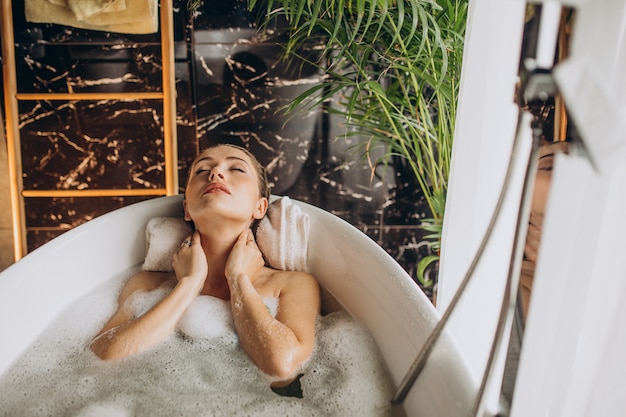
192 374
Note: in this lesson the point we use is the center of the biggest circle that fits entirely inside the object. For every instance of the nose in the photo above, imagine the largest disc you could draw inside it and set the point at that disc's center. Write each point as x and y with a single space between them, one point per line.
215 172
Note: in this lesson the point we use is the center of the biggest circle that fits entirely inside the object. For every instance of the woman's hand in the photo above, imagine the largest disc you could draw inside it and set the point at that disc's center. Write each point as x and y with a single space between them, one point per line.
190 261
245 258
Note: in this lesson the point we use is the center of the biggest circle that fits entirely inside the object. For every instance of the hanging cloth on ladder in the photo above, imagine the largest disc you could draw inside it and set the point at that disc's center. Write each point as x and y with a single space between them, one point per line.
119 16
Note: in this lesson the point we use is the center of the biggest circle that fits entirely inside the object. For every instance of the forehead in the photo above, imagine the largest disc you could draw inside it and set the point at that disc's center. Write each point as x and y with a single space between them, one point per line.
222 152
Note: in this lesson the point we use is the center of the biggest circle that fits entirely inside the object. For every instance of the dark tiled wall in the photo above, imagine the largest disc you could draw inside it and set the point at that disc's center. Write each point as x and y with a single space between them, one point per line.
230 87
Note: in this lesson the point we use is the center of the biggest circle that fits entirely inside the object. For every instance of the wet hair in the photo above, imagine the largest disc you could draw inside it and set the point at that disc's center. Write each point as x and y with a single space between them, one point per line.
264 188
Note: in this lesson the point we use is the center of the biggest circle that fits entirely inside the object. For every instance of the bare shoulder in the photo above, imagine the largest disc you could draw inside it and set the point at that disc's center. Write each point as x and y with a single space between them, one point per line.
292 277
293 283
144 281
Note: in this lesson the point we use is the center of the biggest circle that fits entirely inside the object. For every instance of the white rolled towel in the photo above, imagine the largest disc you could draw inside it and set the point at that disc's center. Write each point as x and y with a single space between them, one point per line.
283 236
164 236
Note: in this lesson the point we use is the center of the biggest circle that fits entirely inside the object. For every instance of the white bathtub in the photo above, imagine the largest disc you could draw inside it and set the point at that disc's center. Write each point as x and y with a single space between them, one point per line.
349 265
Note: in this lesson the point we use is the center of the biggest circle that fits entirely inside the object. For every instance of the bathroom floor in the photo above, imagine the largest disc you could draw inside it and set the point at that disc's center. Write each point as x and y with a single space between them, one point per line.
229 88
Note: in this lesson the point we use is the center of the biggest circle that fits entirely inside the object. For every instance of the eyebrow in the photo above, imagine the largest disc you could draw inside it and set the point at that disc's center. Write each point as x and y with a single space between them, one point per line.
210 158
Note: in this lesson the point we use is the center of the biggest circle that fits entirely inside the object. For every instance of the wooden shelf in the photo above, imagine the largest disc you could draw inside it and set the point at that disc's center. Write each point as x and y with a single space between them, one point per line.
12 97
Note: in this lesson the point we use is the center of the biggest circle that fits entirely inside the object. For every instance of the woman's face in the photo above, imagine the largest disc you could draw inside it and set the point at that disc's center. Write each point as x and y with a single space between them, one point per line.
223 181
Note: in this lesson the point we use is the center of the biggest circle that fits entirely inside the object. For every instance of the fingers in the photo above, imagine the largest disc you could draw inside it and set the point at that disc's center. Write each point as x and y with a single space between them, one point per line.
189 260
246 236
194 239
250 237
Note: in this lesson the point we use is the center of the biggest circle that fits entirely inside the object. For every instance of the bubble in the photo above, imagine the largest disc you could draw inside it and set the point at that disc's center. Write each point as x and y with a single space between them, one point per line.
104 409
201 370
207 317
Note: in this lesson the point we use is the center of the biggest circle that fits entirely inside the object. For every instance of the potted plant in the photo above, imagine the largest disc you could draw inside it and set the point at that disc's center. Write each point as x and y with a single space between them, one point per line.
392 70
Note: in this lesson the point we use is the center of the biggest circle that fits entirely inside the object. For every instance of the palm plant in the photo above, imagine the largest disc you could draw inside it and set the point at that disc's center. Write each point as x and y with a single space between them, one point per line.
392 70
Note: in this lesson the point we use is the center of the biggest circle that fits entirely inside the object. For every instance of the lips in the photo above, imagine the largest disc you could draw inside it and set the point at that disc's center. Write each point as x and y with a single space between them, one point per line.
216 187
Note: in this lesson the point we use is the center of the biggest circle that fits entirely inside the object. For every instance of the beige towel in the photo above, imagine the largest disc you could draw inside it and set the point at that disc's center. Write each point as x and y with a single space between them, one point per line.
84 9
282 237
137 16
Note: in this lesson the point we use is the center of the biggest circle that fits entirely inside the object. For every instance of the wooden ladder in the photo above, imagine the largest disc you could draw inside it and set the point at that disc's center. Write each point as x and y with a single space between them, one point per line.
12 97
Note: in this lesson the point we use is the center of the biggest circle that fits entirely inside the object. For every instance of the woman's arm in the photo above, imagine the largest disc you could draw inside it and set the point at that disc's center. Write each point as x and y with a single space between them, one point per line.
277 345
124 334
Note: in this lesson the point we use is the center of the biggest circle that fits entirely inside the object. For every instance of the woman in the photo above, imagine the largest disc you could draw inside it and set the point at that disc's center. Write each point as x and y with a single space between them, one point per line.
226 192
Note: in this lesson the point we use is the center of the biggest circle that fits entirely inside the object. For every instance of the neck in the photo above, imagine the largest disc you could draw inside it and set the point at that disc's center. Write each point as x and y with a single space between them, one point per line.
217 246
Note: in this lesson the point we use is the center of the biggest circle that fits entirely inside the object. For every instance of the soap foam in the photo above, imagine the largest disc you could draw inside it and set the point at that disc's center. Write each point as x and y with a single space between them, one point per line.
187 375
104 409
207 317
